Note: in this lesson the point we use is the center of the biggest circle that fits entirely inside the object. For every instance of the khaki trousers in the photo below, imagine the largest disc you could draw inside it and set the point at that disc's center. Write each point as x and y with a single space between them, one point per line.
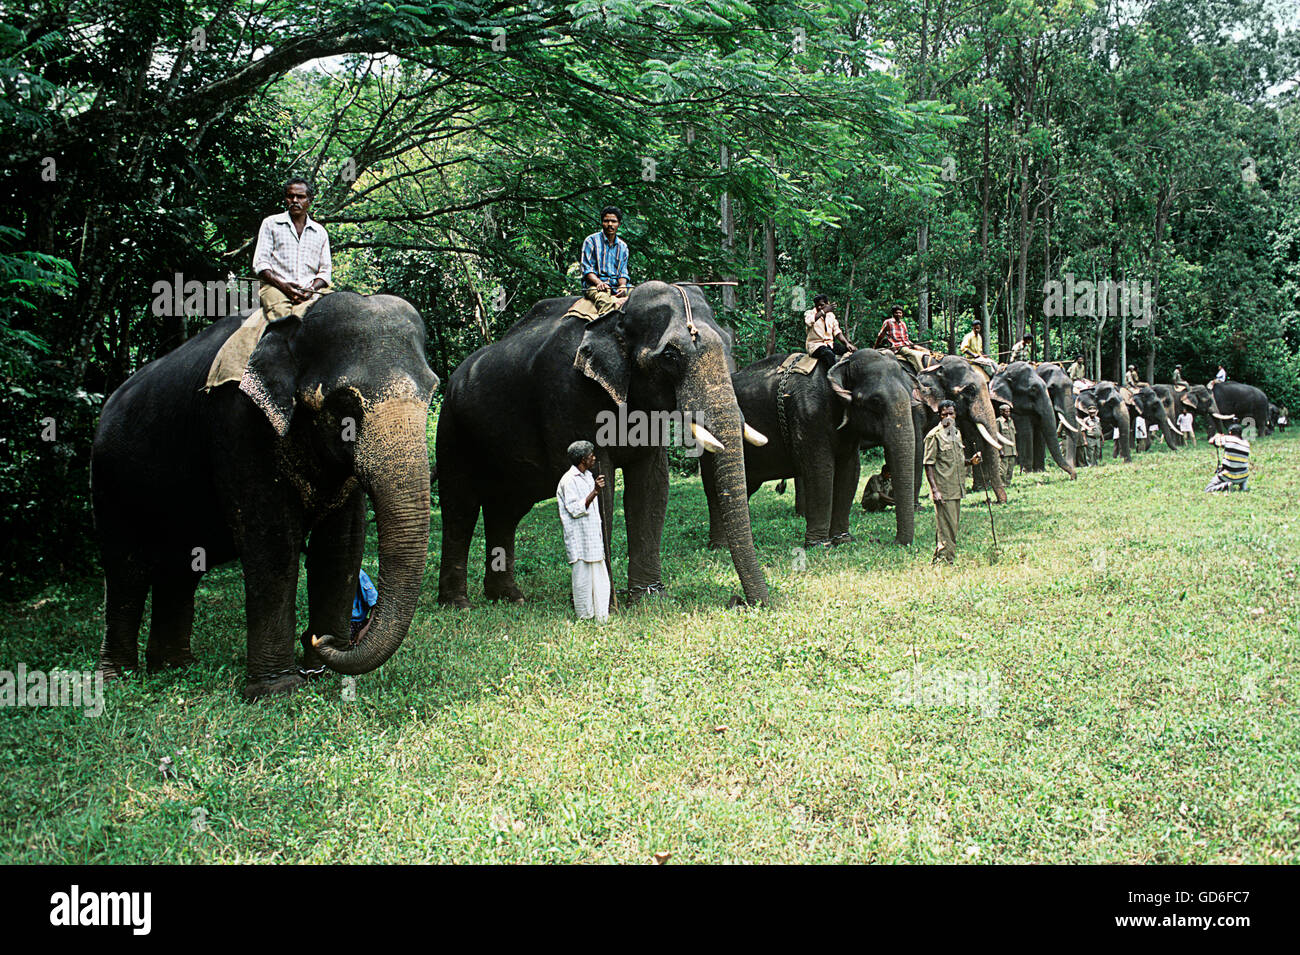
276 305
1008 463
947 515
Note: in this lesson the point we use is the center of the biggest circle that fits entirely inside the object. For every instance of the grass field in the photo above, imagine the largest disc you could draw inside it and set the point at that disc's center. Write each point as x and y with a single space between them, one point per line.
1119 687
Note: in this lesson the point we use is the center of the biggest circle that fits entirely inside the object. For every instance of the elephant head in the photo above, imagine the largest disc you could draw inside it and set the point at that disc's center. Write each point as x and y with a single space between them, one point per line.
1019 386
664 351
878 402
1149 405
1106 400
348 390
957 380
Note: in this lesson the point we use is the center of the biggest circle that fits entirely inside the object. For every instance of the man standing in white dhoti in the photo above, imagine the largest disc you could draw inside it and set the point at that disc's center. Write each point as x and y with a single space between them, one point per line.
584 541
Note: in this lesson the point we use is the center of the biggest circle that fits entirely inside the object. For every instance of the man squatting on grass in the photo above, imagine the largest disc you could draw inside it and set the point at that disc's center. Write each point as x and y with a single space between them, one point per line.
945 469
1234 473
584 541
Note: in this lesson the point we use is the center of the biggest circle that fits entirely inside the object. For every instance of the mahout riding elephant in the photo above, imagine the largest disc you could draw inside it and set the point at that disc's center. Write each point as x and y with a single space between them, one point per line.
513 407
1019 385
1061 390
1150 406
866 399
1105 400
1246 403
331 410
956 379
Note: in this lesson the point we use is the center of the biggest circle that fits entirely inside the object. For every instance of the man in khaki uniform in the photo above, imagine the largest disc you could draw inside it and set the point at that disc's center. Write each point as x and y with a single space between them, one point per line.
878 495
1092 430
945 470
1007 458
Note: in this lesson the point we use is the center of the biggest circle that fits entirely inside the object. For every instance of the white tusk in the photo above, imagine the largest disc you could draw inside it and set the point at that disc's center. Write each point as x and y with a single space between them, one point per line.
755 437
706 440
984 432
1067 424
1006 442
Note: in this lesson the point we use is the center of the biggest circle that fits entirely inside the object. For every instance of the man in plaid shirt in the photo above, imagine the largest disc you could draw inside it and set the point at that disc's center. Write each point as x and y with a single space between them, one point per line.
584 542
893 335
292 258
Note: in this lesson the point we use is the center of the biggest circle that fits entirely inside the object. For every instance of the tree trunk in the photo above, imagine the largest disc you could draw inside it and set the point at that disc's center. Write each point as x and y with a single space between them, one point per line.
769 259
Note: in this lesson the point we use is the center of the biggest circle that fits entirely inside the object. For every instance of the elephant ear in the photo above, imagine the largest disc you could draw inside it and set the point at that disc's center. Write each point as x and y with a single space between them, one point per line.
602 355
838 382
926 397
271 376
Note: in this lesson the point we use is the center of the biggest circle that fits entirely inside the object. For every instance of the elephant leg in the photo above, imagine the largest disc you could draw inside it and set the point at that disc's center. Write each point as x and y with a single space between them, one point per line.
645 508
126 585
800 502
817 490
271 592
171 624
848 469
500 521
460 509
333 560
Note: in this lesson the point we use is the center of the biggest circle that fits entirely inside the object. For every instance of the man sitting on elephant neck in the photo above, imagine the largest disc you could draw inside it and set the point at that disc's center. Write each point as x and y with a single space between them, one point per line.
1180 383
1131 378
878 495
292 257
604 263
1023 349
893 335
825 340
945 470
972 349
1077 369
584 541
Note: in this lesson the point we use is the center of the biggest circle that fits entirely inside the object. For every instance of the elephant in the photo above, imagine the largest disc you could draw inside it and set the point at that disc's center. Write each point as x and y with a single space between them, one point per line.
1199 400
1018 385
1061 390
513 407
866 399
1246 403
1149 405
331 409
955 379
1105 400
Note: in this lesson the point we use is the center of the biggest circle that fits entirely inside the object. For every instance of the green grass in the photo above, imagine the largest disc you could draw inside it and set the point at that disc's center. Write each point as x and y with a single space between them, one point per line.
1142 635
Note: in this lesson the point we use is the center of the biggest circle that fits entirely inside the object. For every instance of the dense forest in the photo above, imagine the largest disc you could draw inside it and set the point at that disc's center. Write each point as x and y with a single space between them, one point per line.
1003 159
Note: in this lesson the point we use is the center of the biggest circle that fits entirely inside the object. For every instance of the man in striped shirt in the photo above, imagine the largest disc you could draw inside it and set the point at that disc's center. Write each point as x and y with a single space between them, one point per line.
893 335
1234 473
604 263
292 259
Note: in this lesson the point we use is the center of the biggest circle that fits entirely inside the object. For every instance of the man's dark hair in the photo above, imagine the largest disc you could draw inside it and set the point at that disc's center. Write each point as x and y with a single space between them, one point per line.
612 211
298 180
1028 338
820 300
579 450
1235 430
947 403
896 308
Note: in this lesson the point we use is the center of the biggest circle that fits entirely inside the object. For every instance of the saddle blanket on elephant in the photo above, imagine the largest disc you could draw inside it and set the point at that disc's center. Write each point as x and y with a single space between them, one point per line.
232 358
798 363
591 305
986 365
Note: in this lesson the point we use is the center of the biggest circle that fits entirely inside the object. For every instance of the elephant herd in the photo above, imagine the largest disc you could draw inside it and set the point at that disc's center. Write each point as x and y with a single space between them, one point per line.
333 409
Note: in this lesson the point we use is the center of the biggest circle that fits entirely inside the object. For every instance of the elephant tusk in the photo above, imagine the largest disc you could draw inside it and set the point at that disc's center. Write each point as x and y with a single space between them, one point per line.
984 432
755 437
1225 417
1066 423
1006 442
706 440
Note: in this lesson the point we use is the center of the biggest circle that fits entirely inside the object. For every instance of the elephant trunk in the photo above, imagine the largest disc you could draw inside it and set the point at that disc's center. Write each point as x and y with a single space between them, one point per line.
1172 438
707 395
900 455
1045 421
986 423
393 465
1125 425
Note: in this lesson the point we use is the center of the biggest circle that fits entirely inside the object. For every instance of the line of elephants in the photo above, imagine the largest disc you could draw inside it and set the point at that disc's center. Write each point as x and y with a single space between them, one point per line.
333 409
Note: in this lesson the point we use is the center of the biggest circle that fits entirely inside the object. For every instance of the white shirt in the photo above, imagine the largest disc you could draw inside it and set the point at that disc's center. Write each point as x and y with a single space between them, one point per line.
821 331
1185 422
583 539
290 257
1140 427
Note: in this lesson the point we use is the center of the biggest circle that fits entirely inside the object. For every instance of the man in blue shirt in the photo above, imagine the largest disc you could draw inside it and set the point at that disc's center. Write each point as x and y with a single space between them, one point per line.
604 263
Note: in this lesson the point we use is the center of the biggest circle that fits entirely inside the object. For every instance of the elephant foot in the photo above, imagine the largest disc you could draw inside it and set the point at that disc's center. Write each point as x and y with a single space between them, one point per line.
717 545
508 593
458 602
842 538
117 669
175 660
256 688
739 601
653 591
